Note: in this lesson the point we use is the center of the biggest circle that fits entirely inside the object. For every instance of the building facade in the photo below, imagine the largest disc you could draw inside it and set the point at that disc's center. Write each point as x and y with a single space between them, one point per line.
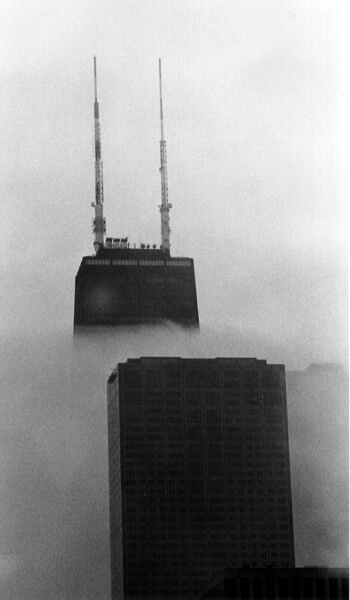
199 472
307 583
130 286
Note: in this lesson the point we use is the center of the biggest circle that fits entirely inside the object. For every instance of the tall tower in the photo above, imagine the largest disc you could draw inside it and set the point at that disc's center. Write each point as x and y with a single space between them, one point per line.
122 284
165 206
199 472
99 222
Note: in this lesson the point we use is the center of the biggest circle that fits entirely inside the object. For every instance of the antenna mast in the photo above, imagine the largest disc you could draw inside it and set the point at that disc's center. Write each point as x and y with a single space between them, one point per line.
165 206
99 222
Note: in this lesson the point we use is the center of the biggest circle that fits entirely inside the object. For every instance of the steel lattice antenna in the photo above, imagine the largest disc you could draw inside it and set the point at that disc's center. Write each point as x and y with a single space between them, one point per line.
165 206
99 222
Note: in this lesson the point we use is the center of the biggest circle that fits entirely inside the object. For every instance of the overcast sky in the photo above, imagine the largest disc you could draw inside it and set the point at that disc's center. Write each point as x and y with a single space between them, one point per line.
252 99
253 94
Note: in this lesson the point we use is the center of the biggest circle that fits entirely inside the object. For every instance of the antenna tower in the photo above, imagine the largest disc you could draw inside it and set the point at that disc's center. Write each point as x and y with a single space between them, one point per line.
99 222
165 206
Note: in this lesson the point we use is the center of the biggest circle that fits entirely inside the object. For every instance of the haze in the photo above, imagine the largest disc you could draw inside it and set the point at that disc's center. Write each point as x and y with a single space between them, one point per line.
253 99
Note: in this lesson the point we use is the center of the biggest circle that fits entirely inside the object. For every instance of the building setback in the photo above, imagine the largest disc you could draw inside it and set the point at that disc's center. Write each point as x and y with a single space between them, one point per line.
199 472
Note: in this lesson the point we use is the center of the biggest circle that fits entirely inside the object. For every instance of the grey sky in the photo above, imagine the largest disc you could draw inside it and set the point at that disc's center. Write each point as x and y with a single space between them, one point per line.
253 94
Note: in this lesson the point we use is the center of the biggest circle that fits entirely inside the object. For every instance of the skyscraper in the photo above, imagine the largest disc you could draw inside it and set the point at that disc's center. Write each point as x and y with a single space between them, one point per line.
199 472
121 284
131 286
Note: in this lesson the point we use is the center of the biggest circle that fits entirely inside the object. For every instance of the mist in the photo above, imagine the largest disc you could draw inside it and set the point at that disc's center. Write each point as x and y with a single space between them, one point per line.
253 99
54 491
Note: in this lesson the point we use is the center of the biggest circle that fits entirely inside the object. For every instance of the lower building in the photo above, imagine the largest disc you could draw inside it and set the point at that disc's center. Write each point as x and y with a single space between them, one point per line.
308 583
199 472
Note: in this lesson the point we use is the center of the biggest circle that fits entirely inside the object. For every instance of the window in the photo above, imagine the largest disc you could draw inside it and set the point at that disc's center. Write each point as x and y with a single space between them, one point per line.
257 589
345 588
194 416
133 398
193 398
271 379
202 378
194 433
283 587
195 469
97 262
245 588
132 378
151 263
154 378
213 416
214 434
230 588
231 379
295 588
308 588
174 400
270 588
173 378
320 588
124 262
178 263
215 450
250 379
333 589
195 450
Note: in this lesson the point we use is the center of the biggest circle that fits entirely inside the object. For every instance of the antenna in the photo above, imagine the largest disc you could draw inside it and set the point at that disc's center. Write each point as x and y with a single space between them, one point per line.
99 222
165 206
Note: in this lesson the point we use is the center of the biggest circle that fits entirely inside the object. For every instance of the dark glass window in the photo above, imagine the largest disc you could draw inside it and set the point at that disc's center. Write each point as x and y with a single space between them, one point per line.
271 378
195 469
132 398
233 403
212 398
345 588
231 382
132 378
308 588
320 588
257 589
214 434
282 588
245 595
202 378
193 398
173 378
173 399
230 588
215 468
194 434
333 588
154 378
270 588
194 416
195 450
250 380
213 416
215 450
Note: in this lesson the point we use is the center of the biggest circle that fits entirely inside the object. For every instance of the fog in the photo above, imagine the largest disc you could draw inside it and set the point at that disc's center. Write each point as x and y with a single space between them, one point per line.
54 480
253 96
